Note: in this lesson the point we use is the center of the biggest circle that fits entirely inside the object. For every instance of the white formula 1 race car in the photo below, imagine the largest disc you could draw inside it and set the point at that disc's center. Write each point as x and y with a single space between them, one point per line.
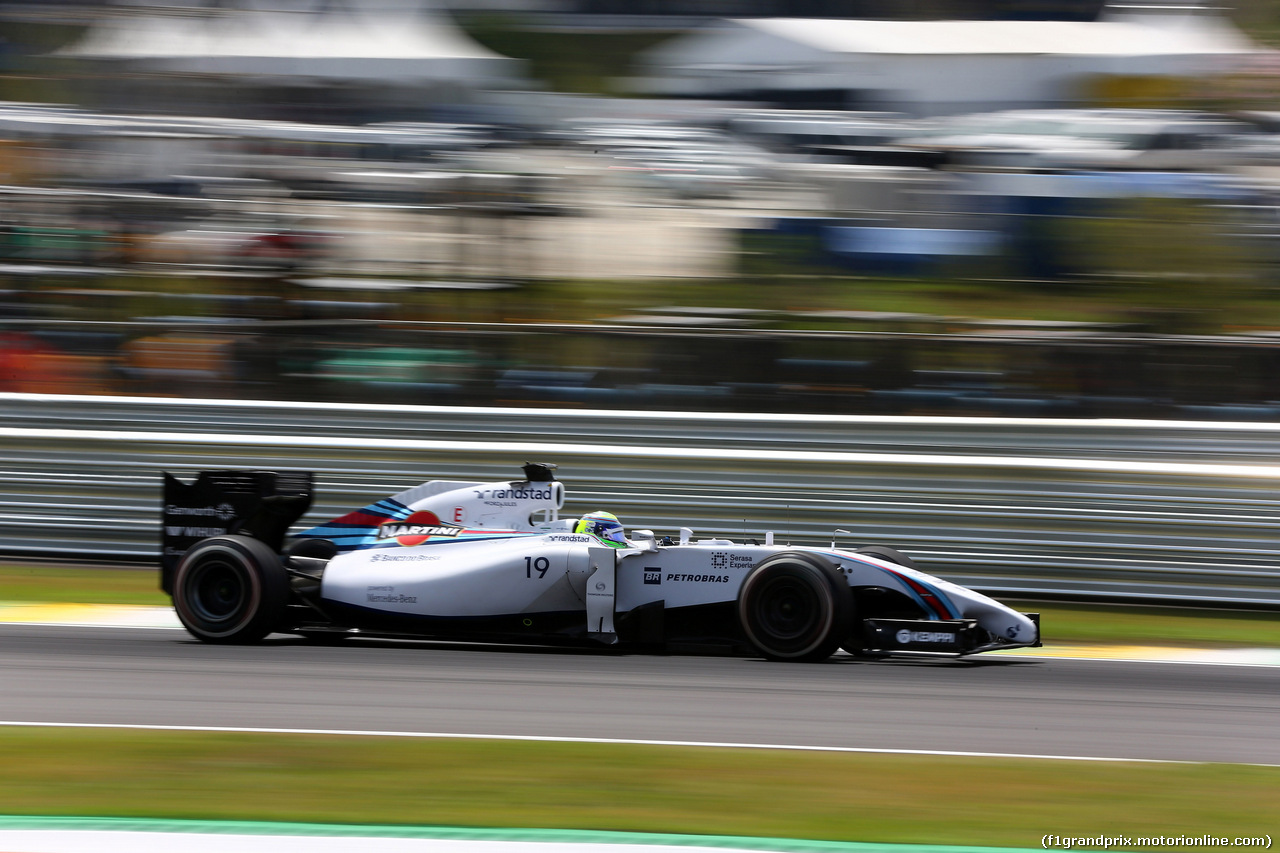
494 562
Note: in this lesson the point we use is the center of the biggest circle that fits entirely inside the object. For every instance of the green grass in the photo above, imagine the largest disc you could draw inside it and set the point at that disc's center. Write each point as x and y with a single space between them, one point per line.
909 799
70 585
1163 626
1063 623
565 301
591 300
1139 304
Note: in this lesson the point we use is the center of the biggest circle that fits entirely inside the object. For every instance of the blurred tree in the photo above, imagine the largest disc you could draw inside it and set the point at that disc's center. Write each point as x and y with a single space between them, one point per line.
1259 18
565 60
1173 259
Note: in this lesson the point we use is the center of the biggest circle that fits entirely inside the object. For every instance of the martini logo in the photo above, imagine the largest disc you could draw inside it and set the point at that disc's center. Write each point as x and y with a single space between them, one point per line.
417 528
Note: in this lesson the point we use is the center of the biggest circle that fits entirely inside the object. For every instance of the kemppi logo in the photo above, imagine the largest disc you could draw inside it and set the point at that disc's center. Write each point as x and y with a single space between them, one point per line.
904 637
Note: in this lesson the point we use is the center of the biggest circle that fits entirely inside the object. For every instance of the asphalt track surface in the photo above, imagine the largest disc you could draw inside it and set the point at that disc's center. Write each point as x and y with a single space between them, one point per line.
1108 709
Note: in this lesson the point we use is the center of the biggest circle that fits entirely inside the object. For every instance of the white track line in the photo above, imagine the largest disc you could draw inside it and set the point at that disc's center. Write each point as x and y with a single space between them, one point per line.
643 414
620 741
544 448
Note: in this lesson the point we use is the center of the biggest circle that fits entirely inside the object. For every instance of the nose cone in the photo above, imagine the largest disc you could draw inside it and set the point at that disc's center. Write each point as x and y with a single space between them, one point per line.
1012 626
1004 622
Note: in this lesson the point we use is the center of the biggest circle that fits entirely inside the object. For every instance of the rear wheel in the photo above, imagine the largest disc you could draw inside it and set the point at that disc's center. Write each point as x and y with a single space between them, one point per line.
794 606
230 589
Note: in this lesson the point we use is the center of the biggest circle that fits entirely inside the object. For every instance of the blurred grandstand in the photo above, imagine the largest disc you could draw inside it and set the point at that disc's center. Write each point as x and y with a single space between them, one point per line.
226 210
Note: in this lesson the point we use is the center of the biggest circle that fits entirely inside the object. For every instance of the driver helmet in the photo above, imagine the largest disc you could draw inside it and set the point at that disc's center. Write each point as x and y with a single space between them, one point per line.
605 527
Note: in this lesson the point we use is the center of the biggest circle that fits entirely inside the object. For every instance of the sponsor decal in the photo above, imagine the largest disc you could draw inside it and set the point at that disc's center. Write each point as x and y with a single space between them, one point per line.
569 537
531 493
721 560
697 578
388 595
194 532
402 558
222 512
904 637
417 528
393 598
652 575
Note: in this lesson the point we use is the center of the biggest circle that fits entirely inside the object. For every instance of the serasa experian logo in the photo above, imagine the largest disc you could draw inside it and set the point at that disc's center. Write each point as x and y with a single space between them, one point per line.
417 528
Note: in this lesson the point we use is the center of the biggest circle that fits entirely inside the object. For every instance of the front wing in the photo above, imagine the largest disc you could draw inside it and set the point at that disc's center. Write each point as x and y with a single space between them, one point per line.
936 636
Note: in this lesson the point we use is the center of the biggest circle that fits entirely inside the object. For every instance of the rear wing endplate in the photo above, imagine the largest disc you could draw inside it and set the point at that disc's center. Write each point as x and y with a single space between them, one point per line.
261 504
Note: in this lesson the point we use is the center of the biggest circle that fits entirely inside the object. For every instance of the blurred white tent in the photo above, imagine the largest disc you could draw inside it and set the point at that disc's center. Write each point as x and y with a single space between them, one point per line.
294 41
940 67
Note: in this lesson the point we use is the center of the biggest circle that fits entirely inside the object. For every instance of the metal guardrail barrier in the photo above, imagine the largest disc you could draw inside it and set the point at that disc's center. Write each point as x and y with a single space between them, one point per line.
1143 510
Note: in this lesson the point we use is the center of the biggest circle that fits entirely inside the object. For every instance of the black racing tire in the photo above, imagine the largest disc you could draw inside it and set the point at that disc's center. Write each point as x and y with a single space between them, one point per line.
884 552
795 606
230 589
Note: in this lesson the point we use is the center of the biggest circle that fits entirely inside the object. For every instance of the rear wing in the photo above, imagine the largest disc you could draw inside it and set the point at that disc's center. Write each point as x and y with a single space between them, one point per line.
261 504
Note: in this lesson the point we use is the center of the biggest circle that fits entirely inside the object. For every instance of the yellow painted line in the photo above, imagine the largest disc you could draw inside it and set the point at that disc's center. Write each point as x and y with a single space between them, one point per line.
105 615
1168 654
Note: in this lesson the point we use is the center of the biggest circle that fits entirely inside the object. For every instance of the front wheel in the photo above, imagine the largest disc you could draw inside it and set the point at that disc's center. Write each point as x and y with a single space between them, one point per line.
854 644
794 606
884 552
230 589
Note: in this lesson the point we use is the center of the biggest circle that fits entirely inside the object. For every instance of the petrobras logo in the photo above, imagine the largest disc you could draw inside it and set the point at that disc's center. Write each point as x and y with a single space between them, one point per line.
652 575
697 578
904 637
420 527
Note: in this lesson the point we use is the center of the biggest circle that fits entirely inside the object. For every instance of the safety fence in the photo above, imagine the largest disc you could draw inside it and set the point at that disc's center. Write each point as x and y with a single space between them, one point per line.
1143 510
